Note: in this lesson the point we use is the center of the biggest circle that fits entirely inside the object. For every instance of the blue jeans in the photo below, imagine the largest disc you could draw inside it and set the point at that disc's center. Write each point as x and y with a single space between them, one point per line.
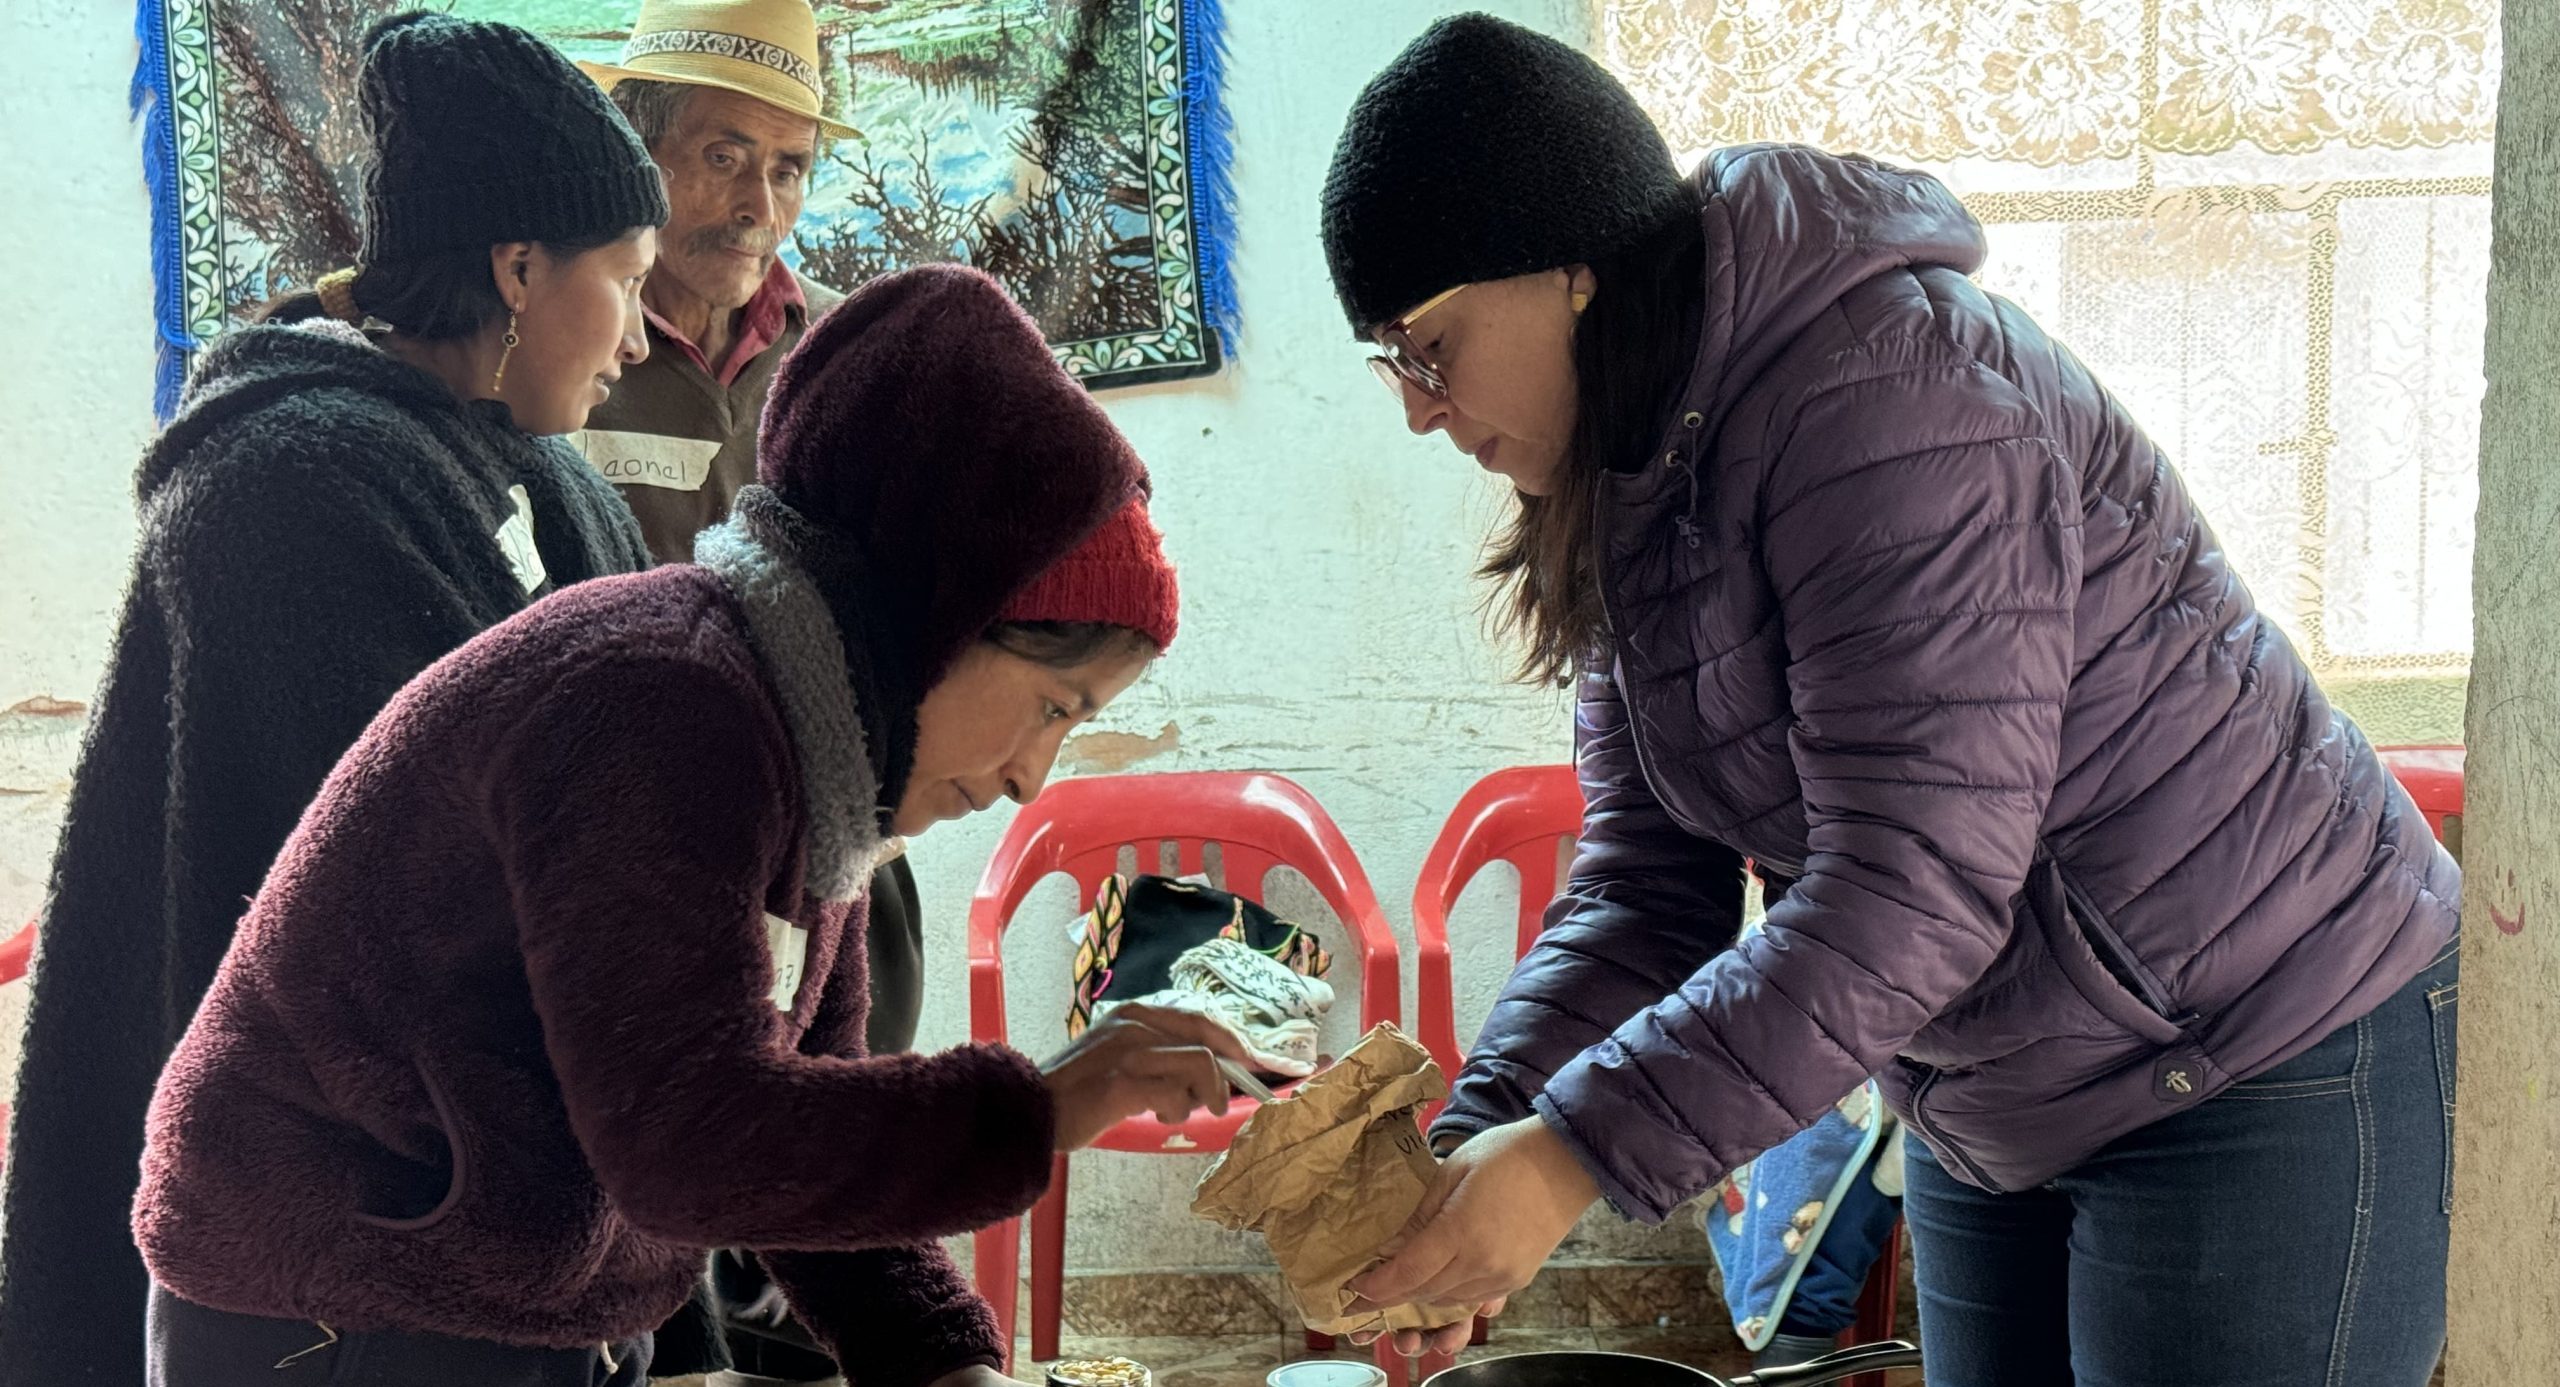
2291 1232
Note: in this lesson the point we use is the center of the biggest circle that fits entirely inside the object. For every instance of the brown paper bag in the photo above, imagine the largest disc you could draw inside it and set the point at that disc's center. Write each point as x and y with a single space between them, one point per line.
1328 1174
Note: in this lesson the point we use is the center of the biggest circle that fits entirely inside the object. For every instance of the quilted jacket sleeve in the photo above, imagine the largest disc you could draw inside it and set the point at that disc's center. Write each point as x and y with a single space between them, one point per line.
1922 539
1644 906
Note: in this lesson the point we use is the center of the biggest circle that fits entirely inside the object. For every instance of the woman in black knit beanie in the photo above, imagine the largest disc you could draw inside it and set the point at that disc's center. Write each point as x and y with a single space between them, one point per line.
1863 578
350 490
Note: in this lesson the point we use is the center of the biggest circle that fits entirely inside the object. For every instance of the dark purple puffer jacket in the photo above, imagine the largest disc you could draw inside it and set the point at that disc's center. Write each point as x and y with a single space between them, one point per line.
1906 607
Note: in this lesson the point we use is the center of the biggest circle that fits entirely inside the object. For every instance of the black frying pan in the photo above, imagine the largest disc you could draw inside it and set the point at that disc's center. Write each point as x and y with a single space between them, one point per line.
1576 1369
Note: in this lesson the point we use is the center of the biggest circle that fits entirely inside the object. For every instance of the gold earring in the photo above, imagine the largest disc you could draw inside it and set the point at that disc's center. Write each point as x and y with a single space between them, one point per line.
499 380
1581 301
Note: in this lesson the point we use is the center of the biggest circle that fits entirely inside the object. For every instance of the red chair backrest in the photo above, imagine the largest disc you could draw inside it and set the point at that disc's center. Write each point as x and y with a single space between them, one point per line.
2433 777
1523 816
1259 821
14 953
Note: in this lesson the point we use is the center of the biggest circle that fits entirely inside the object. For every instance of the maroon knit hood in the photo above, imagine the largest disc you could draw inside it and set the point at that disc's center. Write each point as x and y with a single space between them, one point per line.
924 424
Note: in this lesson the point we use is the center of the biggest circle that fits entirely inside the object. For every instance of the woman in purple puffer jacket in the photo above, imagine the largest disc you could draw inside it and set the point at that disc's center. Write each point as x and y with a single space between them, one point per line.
1865 579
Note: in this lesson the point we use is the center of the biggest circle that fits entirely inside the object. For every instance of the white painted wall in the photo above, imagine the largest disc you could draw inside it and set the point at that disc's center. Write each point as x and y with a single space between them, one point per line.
75 403
1330 626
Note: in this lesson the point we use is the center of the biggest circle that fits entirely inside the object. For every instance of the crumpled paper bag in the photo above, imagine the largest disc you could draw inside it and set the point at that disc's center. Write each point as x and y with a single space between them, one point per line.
1332 1171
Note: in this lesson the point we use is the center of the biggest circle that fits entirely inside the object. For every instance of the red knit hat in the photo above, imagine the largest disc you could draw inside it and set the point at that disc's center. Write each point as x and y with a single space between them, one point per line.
1118 576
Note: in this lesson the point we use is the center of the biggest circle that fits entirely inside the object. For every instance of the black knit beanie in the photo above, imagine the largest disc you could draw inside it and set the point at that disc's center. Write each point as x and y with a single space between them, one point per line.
1486 150
480 133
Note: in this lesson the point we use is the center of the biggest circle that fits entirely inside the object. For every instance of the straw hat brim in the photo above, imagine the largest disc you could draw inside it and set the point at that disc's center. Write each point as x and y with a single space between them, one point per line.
744 82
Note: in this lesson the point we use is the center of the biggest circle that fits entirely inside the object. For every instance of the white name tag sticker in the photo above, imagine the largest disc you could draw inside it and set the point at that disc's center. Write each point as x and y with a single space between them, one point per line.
650 459
788 944
515 540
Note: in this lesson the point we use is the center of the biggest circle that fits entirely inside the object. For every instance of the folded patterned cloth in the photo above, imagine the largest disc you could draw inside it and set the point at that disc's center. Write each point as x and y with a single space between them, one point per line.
1270 1008
1127 943
1773 1213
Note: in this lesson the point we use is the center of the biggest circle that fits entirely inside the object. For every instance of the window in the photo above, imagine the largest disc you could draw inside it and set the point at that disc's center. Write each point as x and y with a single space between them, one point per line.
2264 224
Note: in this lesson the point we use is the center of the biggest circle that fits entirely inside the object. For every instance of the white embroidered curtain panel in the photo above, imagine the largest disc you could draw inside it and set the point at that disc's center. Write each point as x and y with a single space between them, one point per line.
2264 224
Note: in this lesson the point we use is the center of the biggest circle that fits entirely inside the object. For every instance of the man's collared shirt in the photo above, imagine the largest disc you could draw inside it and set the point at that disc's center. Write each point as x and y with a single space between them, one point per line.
679 439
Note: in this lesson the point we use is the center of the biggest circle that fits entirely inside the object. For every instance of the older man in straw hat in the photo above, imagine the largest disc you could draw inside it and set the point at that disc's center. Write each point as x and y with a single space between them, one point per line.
727 94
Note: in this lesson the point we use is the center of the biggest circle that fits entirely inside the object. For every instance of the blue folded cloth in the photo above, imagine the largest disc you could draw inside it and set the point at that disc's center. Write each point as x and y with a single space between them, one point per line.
1774 1212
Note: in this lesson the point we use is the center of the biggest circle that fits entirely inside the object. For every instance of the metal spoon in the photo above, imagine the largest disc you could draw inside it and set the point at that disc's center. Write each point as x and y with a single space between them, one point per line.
1244 1081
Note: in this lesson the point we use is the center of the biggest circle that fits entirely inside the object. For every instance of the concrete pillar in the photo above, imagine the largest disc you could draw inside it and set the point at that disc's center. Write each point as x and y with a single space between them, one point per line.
2505 1285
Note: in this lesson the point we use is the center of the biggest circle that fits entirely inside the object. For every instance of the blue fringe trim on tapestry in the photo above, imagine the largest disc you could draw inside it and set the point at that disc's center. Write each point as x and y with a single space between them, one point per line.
150 104
1211 138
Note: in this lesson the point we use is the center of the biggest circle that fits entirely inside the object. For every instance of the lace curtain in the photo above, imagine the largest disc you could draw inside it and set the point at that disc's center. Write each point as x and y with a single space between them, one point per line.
2264 224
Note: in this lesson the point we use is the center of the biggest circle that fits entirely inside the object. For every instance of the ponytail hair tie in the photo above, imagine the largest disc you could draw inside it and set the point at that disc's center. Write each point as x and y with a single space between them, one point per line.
337 291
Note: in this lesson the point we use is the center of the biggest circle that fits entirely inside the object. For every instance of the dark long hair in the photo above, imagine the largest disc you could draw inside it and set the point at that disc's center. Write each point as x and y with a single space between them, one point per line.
1632 347
438 297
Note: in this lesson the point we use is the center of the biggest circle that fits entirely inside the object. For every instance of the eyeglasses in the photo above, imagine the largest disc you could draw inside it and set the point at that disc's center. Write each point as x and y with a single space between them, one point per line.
1400 360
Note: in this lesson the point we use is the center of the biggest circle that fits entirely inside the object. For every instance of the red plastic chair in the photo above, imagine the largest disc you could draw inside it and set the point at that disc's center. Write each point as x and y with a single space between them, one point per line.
1524 816
14 953
2433 777
1521 816
1078 827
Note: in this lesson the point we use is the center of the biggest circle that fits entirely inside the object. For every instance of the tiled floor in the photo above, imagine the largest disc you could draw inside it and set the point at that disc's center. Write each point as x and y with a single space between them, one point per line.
1244 1360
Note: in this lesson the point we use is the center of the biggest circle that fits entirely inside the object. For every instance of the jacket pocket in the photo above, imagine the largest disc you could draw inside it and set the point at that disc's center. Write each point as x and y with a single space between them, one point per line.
2325 1070
2097 962
1921 1078
409 1183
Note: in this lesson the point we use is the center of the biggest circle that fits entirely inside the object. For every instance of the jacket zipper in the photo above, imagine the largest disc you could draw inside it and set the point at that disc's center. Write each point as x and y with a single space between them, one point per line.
1609 623
1687 524
1937 1139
